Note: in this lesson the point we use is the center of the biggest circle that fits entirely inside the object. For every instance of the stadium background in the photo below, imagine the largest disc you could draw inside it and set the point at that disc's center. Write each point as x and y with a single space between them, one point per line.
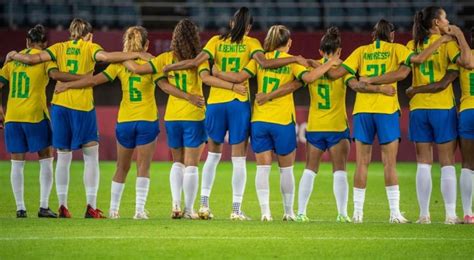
306 19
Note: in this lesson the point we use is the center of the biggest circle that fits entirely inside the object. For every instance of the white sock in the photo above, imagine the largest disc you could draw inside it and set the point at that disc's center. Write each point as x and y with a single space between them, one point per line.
17 180
116 195
305 189
176 182
91 173
190 186
63 165
263 188
341 191
448 189
208 174
393 195
239 179
287 188
465 183
141 189
46 181
423 188
359 198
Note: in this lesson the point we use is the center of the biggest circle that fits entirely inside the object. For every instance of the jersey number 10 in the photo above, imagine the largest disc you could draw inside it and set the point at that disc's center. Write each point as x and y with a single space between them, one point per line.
21 85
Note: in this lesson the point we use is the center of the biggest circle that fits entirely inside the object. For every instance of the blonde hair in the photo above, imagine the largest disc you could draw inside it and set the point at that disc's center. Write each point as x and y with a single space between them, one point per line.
79 28
134 39
277 36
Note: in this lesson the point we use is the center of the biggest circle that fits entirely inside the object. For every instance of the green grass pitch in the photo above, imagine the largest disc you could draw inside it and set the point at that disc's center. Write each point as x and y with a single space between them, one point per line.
220 238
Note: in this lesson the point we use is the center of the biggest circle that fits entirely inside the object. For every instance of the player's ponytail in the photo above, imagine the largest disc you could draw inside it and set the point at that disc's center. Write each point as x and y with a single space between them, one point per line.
239 23
185 43
330 41
422 23
382 30
79 28
277 36
37 34
134 39
472 37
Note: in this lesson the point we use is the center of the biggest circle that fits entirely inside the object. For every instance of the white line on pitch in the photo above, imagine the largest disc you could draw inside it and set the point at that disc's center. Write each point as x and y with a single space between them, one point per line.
231 238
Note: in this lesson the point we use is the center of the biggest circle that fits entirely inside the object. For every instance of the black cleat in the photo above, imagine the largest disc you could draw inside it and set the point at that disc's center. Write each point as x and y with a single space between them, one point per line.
46 213
21 213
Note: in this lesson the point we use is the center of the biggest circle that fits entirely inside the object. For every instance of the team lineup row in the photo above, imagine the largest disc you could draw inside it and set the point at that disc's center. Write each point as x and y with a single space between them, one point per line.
436 56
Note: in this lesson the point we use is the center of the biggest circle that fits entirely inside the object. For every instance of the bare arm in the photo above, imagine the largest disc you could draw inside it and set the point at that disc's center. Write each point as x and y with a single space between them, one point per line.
234 77
210 80
336 73
139 69
262 98
464 59
426 53
318 72
174 91
188 64
2 115
390 77
30 59
82 83
435 87
259 57
64 77
118 56
363 87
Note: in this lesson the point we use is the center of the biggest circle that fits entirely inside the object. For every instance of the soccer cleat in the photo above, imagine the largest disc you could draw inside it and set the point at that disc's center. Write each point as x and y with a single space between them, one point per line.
358 218
301 218
190 215
288 217
400 219
140 215
239 216
424 220
46 213
468 219
266 218
21 213
64 212
93 213
452 220
114 214
343 219
176 212
205 213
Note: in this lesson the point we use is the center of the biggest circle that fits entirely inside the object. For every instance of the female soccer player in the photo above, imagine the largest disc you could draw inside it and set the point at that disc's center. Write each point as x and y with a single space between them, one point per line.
27 127
184 117
378 114
228 110
433 115
273 127
465 127
73 115
327 127
137 123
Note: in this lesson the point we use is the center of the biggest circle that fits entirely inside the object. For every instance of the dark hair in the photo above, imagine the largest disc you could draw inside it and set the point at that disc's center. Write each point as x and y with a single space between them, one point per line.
185 43
37 34
472 37
330 41
423 21
382 30
241 20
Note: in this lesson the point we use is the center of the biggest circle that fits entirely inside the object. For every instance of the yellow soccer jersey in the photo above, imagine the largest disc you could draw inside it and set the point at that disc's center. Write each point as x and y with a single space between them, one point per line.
230 57
433 70
138 94
327 111
279 110
466 78
373 60
75 57
178 109
27 96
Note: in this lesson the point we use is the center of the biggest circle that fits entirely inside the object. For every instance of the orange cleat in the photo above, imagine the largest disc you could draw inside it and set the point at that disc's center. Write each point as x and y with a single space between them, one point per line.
64 212
93 213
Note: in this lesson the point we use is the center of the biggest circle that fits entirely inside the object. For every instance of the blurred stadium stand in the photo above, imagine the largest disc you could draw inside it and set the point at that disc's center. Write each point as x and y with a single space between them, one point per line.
307 15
